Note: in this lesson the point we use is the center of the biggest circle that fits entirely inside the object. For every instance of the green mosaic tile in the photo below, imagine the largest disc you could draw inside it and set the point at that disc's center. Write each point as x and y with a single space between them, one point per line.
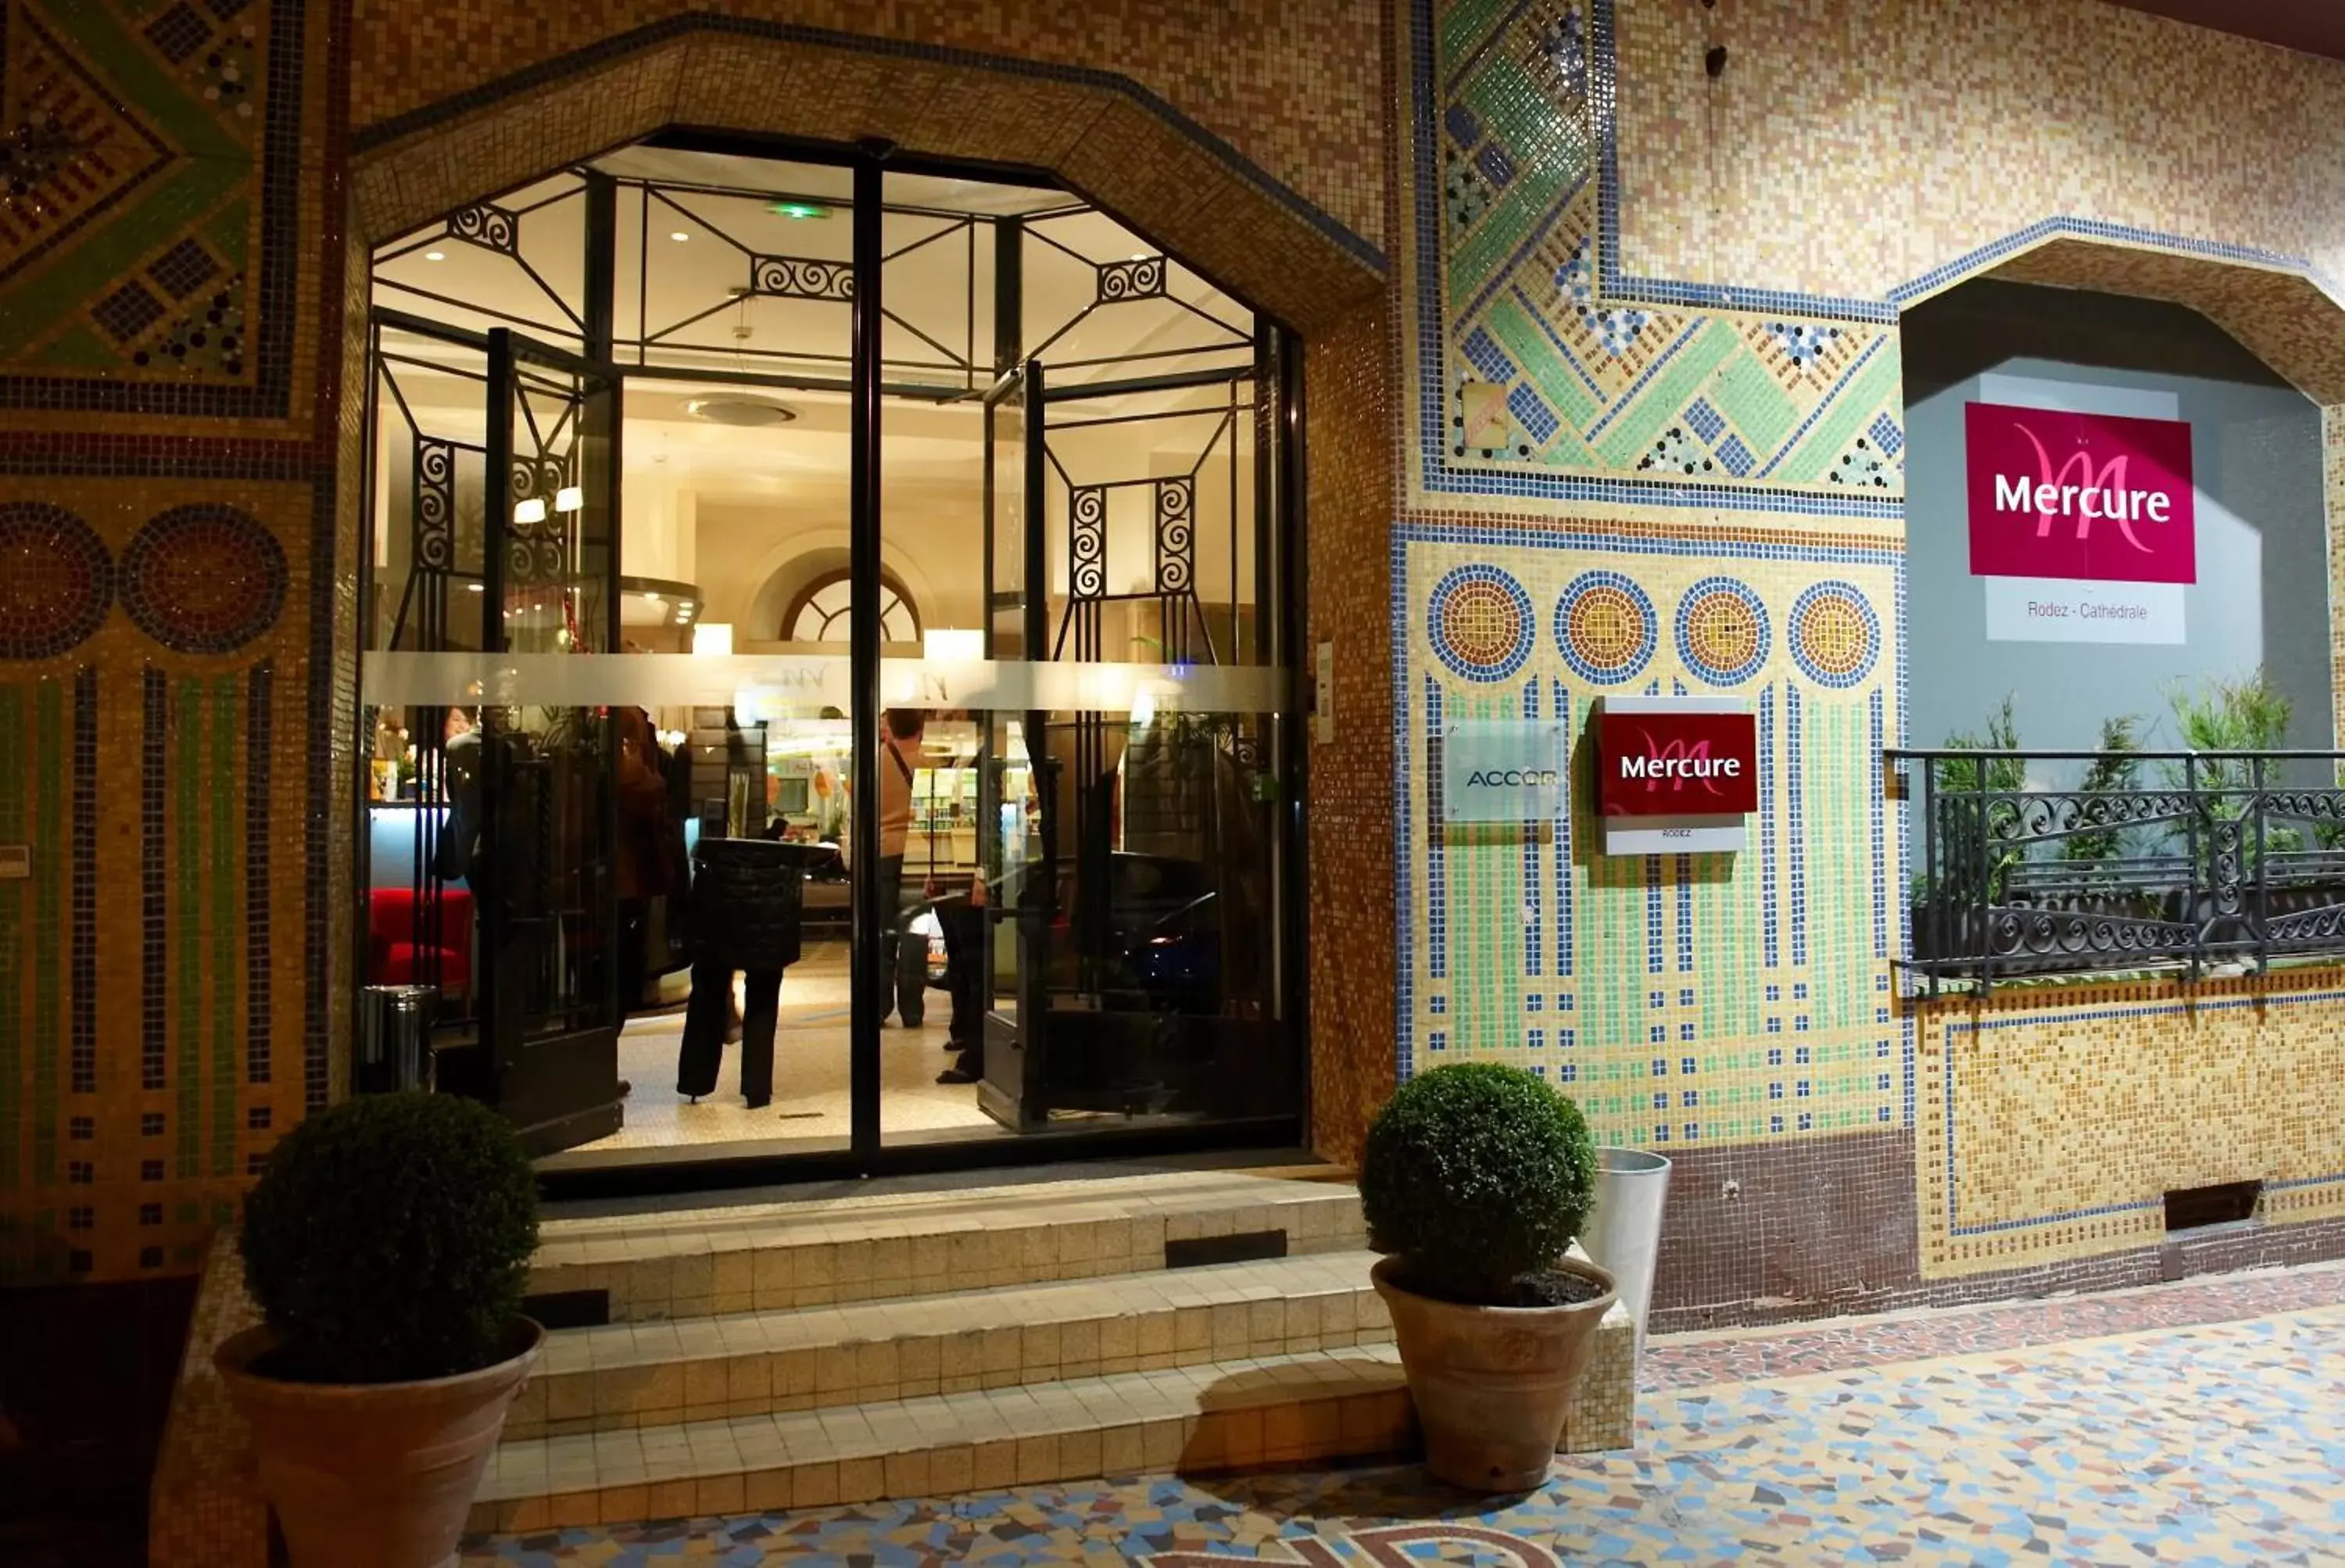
223 882
1668 394
13 899
186 922
47 1044
1463 29
1747 392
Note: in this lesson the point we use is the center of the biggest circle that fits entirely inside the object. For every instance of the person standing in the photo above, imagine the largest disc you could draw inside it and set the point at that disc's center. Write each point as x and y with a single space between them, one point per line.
901 731
745 907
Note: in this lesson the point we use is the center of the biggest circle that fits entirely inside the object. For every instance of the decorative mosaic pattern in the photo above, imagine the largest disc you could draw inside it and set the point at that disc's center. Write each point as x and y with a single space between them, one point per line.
151 235
1680 999
1841 1344
1605 627
1539 377
1480 623
2087 1452
2053 1127
1835 636
57 580
204 579
1721 631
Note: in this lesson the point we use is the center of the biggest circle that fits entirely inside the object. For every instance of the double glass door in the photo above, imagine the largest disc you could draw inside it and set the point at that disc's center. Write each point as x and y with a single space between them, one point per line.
989 645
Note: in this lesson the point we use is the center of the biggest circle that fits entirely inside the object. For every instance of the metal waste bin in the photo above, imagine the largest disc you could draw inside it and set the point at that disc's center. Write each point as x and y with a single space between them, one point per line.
394 1044
1623 1232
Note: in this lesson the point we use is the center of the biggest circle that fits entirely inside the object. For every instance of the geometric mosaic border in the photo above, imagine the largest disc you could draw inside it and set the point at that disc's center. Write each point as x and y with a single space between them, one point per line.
1610 292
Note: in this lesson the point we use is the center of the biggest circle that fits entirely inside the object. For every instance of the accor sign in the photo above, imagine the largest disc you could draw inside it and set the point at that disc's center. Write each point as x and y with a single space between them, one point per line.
1676 764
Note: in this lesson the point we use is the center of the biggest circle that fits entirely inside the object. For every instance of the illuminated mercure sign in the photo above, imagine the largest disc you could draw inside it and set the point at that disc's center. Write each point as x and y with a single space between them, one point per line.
1675 775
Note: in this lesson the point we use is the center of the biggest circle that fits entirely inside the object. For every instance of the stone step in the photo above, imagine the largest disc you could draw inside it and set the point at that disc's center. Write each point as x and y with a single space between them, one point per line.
1313 1406
706 1368
764 1258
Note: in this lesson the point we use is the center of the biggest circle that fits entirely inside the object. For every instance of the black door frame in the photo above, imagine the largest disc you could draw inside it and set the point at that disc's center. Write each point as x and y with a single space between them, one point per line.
1279 471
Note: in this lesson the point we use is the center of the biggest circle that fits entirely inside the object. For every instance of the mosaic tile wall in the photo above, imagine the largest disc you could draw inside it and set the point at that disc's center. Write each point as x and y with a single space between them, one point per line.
1680 999
164 367
1653 394
1291 84
1353 866
2052 1129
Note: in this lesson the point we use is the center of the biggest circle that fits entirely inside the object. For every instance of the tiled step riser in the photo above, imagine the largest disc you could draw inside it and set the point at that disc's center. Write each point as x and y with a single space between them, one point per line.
818 1272
1304 1431
912 1365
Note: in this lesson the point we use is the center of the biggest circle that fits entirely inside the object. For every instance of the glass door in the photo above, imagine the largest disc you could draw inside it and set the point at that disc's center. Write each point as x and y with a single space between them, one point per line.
544 879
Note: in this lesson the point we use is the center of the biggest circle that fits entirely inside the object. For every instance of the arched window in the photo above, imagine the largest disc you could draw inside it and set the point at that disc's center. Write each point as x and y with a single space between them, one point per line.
820 611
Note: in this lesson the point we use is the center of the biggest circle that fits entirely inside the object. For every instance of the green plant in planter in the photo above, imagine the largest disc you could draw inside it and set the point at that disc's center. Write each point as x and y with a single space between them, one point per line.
390 1239
1476 1175
2249 714
2115 771
1963 823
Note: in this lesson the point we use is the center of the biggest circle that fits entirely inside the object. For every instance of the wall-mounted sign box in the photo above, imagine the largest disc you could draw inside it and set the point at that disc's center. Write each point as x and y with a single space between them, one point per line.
1676 774
2082 525
1502 770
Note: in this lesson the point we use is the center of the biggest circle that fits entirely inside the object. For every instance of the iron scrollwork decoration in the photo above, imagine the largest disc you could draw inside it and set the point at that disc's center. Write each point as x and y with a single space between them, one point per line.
436 505
1141 277
1176 535
801 277
539 548
2190 860
487 225
1086 541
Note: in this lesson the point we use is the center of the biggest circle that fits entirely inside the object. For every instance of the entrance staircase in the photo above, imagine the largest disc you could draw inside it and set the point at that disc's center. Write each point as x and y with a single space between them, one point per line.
800 1354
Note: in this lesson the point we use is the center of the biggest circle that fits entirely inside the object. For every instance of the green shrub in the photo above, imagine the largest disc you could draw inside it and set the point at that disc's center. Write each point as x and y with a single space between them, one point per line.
390 1239
1476 1175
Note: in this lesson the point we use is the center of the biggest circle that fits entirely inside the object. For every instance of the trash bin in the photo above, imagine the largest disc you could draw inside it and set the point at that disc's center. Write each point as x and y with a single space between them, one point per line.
1623 1232
394 1044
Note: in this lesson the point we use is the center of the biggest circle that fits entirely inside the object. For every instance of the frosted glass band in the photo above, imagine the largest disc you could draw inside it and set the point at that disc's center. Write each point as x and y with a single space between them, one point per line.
769 681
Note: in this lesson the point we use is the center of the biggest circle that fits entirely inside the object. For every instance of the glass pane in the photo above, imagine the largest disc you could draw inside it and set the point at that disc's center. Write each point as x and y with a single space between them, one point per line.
1087 917
513 261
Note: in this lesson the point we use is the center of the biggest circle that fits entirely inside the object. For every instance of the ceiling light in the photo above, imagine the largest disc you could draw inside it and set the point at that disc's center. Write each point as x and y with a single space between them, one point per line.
435 255
530 511
679 235
740 409
651 598
800 210
1140 256
570 498
474 588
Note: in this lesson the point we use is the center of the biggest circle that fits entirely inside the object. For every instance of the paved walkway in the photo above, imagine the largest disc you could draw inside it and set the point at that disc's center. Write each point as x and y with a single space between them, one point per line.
2200 1423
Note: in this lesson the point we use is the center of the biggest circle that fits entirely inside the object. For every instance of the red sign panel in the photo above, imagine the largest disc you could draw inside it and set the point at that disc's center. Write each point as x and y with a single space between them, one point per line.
1678 764
2088 495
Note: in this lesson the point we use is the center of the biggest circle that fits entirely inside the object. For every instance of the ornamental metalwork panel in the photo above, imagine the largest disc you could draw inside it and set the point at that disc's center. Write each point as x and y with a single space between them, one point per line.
2146 860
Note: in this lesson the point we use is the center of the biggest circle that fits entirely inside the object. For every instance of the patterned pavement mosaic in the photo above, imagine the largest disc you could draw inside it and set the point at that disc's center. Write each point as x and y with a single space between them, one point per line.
2203 1424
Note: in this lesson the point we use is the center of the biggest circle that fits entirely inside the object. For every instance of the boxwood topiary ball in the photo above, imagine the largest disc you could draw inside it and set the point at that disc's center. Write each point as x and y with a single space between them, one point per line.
1475 1174
390 1239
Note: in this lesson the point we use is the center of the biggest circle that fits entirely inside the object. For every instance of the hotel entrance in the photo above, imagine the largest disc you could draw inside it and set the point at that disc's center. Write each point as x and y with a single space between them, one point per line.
825 697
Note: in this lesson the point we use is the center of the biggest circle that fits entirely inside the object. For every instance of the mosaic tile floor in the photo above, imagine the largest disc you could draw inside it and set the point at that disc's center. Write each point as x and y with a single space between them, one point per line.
2218 1439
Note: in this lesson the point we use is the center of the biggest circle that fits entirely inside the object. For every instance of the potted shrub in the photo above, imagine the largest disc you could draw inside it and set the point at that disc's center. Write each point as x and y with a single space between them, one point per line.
388 1247
1475 1179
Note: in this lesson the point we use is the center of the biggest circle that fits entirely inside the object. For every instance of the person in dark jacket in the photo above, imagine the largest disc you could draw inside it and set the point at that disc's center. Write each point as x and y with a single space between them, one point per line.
745 909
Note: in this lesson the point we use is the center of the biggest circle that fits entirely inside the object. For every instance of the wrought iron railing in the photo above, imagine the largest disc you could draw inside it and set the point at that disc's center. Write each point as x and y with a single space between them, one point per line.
2060 862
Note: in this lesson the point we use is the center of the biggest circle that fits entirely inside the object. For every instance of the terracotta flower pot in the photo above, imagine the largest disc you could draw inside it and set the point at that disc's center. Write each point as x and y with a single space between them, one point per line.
1492 1384
374 1475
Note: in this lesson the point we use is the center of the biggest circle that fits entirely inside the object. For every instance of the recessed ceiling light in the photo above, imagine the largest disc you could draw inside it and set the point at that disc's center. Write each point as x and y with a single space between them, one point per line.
435 255
740 409
474 588
651 598
1140 256
679 235
800 210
